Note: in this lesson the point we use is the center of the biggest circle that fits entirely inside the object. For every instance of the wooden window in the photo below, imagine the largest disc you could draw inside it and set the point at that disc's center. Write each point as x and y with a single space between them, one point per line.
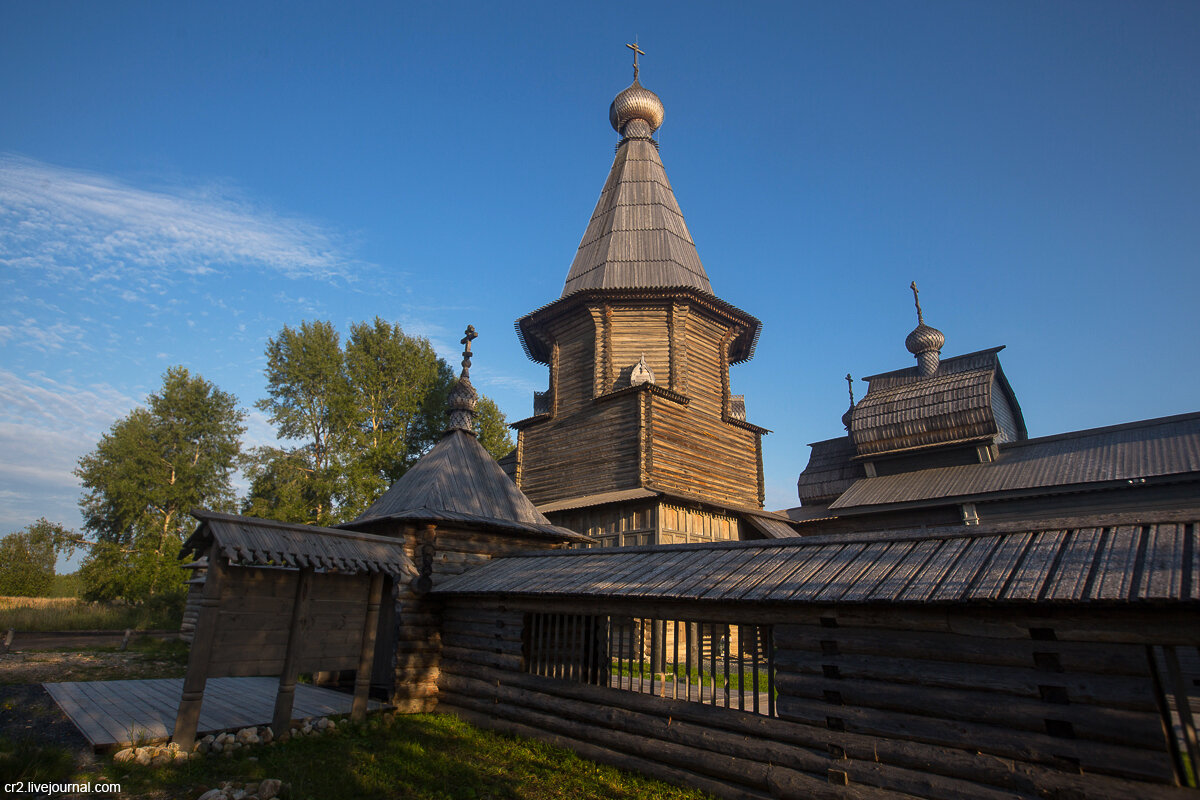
727 665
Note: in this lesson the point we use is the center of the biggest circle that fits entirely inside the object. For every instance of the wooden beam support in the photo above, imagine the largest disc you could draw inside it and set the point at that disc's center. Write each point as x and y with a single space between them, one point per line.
366 658
284 697
187 718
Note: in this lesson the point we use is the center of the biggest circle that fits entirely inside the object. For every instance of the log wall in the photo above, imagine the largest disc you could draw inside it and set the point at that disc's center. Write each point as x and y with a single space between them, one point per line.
417 638
592 450
872 702
587 440
696 453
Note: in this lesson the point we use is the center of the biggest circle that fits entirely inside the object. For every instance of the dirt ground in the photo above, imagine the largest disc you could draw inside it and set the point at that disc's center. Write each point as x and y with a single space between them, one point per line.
28 712
42 666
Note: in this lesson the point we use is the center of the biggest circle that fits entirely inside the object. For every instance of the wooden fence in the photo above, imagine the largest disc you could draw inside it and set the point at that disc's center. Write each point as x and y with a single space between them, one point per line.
853 702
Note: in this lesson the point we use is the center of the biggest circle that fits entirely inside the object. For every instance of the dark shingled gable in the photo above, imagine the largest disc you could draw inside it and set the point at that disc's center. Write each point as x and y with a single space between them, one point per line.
903 410
251 541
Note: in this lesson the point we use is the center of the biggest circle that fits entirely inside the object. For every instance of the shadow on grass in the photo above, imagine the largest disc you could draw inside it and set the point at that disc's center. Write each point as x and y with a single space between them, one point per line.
423 757
28 760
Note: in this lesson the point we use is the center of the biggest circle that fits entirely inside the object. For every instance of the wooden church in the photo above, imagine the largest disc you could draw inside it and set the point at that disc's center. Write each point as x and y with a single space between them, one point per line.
639 439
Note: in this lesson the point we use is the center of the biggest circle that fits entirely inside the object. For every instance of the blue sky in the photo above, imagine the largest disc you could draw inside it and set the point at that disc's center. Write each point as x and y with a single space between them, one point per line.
179 181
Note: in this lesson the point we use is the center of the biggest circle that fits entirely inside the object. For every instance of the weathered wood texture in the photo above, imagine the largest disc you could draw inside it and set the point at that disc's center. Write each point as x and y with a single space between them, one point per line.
876 702
589 450
118 713
416 638
624 525
255 614
678 439
697 453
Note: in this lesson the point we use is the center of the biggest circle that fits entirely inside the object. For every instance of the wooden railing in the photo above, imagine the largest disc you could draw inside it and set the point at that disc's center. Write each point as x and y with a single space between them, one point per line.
721 664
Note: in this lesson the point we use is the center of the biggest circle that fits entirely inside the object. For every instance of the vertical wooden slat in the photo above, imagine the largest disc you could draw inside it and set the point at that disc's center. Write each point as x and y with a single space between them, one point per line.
654 654
742 654
712 660
770 671
188 716
366 656
1183 706
675 660
285 695
725 678
758 630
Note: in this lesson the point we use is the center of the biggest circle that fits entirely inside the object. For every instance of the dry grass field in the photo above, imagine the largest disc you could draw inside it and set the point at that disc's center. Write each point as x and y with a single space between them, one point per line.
73 614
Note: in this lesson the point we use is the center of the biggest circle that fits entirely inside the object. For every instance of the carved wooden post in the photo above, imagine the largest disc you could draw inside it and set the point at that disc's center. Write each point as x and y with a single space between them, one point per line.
282 718
187 719
366 657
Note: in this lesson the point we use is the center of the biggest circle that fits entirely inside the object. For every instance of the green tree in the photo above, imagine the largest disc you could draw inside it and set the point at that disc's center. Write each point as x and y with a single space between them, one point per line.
492 428
362 414
393 381
307 400
27 558
281 486
145 474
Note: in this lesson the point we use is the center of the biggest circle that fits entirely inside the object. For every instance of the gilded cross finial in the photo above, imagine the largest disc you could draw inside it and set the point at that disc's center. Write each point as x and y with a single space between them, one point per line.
470 336
636 52
917 300
850 386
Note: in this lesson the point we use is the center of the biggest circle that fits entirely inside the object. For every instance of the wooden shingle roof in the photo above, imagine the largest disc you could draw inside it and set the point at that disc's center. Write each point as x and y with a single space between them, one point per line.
831 470
251 541
904 410
459 482
1084 560
636 237
1156 448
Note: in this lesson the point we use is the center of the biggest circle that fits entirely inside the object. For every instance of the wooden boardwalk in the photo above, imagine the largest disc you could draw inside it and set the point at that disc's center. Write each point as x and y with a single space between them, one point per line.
111 713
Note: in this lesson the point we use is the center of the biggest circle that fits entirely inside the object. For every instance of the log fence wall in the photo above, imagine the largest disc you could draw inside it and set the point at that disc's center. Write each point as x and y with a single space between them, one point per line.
864 701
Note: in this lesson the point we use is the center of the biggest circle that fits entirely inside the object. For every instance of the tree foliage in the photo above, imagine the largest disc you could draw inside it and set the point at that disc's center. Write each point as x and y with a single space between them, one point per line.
361 414
27 558
145 474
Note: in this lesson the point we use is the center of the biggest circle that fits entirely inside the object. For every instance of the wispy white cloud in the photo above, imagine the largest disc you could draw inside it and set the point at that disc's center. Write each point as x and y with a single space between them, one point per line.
45 426
73 226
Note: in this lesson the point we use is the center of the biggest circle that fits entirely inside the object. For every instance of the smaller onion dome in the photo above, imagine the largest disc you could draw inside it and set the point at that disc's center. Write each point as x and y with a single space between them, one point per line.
634 103
924 338
923 341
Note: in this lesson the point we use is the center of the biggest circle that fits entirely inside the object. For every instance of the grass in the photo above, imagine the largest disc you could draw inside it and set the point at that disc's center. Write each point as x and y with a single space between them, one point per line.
26 760
423 757
73 614
678 672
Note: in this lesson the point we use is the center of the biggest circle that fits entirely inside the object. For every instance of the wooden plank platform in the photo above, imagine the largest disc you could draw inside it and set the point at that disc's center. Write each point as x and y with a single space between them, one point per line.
115 713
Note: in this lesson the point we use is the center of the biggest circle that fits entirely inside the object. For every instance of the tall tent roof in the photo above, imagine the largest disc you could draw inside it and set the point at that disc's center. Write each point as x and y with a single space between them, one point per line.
637 238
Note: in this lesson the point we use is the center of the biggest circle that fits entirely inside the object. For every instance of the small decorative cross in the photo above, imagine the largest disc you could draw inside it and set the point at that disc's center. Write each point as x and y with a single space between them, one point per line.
850 386
466 340
917 300
636 52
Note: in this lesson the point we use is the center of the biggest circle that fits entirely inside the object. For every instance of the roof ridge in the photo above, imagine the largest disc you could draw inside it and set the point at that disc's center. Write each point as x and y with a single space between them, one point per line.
1142 423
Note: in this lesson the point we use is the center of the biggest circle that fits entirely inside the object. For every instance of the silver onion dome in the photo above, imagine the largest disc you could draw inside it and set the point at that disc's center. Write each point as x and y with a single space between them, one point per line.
634 103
